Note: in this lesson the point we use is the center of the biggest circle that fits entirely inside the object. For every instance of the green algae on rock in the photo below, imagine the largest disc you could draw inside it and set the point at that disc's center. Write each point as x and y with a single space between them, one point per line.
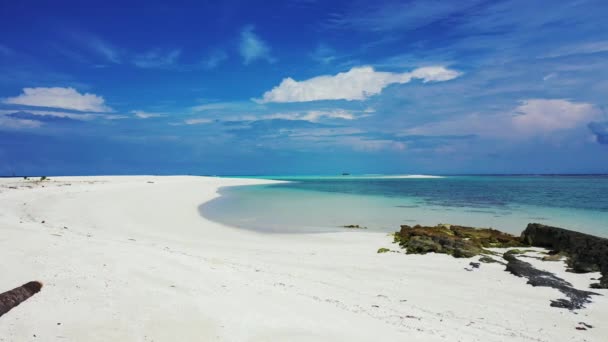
458 241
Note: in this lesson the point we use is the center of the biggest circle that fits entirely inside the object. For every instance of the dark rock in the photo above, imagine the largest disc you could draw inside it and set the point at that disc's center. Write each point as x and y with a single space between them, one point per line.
586 253
576 298
474 264
458 241
354 226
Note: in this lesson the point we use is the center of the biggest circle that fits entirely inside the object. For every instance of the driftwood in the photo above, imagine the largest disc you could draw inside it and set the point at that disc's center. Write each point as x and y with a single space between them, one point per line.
14 297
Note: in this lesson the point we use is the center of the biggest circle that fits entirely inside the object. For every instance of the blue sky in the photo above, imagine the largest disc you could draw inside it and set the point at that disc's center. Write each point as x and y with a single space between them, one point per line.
303 86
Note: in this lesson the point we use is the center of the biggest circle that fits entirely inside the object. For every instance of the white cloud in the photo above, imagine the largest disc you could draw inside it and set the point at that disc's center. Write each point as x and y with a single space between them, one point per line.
13 123
197 121
356 84
214 106
544 116
550 76
57 97
98 46
157 59
146 115
214 59
74 116
323 54
252 47
533 117
580 49
312 116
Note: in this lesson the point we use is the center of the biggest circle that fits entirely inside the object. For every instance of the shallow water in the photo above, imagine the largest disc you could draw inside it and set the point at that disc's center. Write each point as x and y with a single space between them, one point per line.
509 203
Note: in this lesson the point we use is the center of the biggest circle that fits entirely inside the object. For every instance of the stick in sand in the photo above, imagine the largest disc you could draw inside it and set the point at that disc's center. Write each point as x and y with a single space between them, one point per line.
14 297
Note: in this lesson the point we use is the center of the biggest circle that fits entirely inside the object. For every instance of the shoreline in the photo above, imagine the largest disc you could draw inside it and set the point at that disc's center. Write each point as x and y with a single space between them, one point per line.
125 259
241 207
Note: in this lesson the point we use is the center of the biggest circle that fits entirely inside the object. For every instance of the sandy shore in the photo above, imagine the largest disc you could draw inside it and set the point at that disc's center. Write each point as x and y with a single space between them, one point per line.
131 259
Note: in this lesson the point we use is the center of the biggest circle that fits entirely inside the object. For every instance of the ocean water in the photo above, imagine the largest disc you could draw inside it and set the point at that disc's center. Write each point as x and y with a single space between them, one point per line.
383 203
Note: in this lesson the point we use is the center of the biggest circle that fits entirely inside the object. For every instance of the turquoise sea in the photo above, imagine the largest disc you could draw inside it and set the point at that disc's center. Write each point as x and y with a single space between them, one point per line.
383 203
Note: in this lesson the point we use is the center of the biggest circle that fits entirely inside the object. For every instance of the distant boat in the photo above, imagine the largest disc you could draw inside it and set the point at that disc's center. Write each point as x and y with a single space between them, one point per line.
345 174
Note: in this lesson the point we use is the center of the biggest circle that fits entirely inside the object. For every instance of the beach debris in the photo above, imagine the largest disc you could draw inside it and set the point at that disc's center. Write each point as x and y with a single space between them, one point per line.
586 325
354 226
584 252
576 299
474 266
458 241
16 296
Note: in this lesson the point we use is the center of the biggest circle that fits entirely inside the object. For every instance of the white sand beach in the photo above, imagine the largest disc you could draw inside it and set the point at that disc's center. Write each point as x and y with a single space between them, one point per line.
131 259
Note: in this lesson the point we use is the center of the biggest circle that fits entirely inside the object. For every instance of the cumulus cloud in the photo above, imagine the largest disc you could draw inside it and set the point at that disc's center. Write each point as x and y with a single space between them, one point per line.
356 84
57 97
253 48
532 117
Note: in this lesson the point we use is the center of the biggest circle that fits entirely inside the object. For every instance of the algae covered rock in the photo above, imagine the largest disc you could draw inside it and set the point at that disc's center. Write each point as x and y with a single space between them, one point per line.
458 241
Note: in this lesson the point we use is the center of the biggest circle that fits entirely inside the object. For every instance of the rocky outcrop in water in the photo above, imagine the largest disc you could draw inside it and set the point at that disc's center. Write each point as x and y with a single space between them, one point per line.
458 241
586 253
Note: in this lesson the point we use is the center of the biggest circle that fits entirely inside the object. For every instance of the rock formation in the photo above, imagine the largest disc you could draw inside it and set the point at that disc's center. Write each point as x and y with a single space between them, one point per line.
458 241
586 253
